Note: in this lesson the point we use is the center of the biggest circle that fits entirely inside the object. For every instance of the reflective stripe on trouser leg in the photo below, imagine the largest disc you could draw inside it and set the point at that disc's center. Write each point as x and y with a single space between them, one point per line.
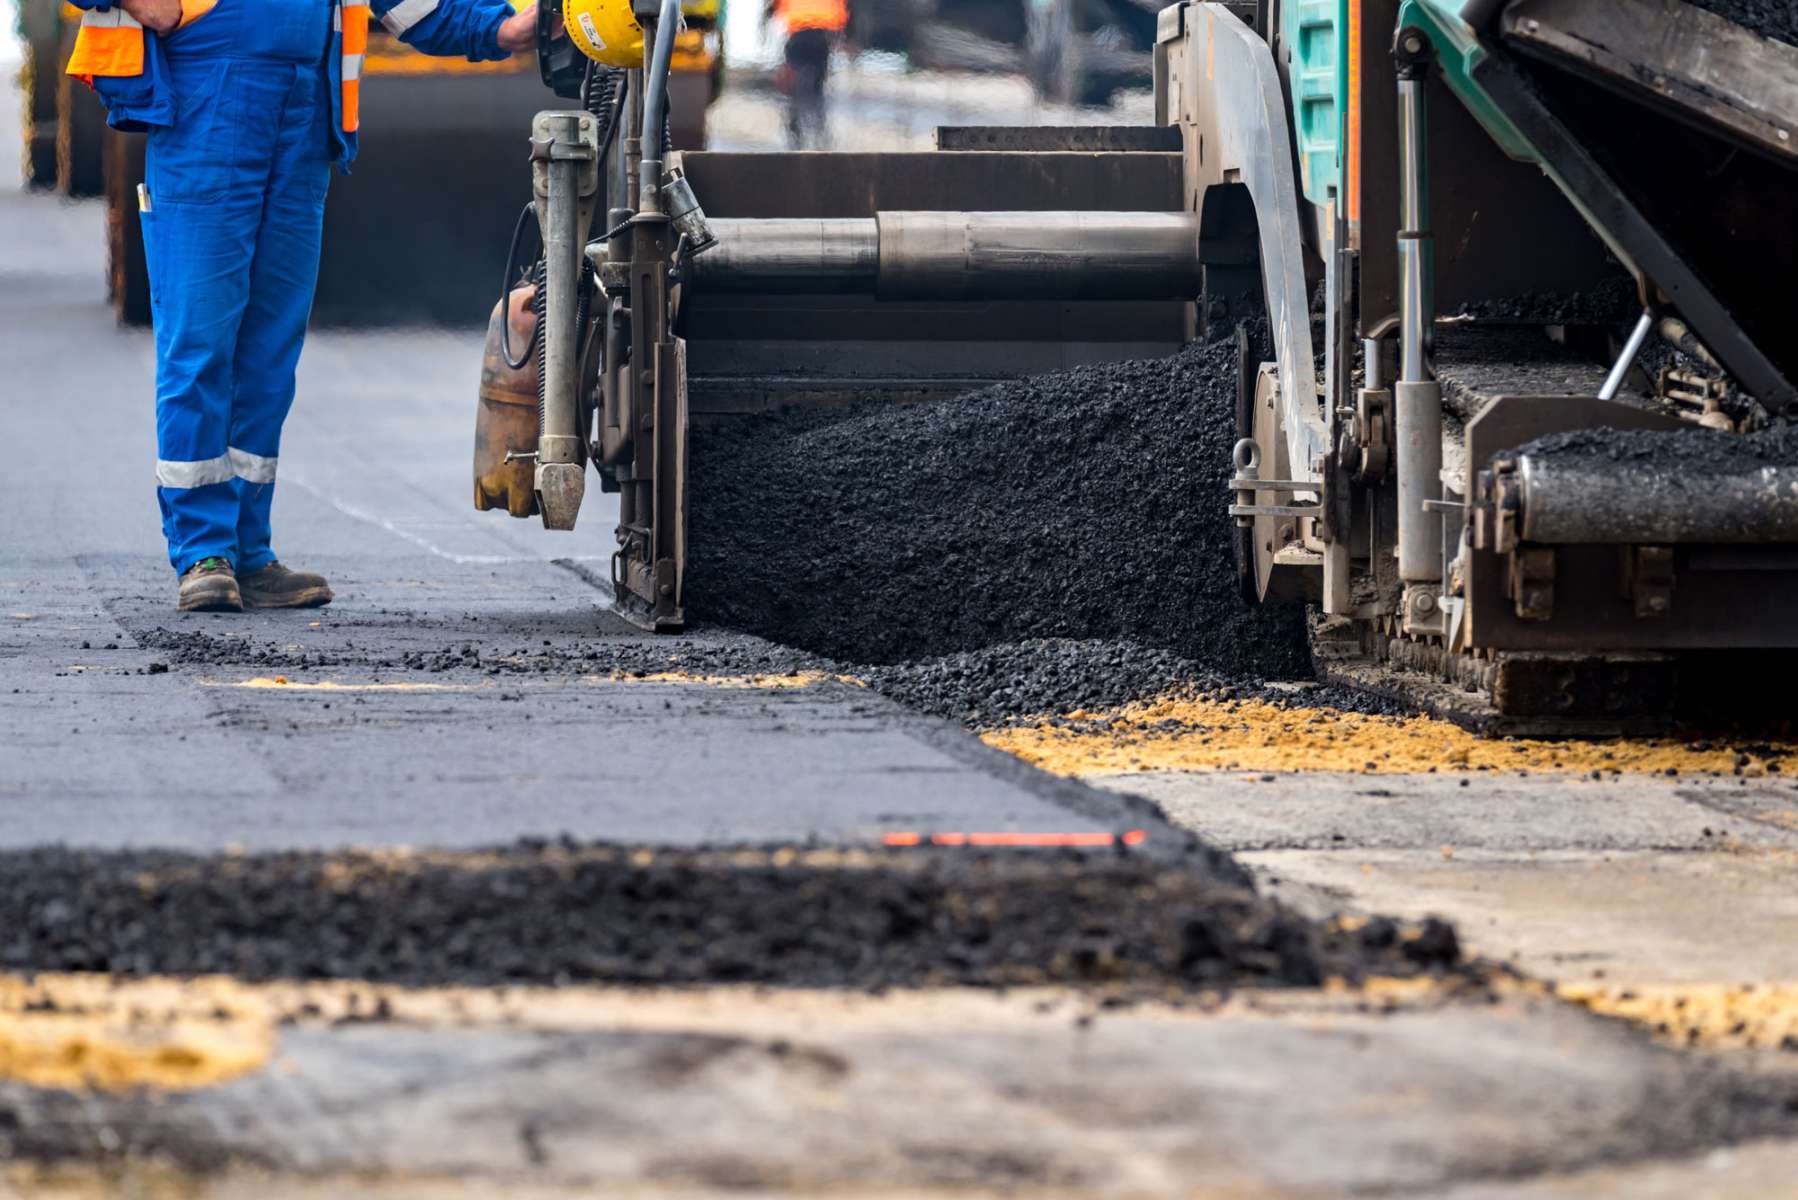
274 321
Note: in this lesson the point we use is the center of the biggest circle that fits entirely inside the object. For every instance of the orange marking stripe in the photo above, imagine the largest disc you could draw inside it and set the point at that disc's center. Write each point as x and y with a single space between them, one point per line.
1134 837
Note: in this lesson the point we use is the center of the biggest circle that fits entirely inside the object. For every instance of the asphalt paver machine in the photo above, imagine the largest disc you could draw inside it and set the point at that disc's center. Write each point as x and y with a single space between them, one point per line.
1512 282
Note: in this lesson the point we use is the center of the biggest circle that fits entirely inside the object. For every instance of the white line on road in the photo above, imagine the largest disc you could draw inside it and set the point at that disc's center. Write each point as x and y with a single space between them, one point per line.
380 522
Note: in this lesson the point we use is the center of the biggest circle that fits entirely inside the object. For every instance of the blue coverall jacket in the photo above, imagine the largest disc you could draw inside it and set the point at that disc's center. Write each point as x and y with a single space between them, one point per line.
247 104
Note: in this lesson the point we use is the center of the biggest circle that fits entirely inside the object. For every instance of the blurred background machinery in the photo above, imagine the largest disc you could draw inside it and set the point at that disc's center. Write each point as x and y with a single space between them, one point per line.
1074 51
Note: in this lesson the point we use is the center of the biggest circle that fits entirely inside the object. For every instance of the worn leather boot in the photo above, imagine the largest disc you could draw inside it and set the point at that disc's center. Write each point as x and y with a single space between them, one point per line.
210 586
274 586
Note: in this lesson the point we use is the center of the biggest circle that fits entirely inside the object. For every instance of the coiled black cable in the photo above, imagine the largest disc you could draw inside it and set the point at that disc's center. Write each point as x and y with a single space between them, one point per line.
507 278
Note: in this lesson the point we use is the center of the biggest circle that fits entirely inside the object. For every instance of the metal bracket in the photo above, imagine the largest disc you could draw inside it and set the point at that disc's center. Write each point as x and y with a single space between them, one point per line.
1649 578
1367 440
1313 511
1422 610
1532 582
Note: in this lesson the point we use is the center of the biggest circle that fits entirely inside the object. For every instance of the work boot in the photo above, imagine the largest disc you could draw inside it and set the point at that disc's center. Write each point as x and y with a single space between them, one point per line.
274 586
210 586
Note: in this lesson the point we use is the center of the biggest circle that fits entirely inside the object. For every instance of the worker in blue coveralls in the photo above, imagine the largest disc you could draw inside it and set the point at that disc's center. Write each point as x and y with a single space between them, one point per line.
247 104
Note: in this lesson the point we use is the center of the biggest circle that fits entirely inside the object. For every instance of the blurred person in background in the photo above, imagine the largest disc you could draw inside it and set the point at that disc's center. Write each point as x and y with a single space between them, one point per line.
247 104
813 28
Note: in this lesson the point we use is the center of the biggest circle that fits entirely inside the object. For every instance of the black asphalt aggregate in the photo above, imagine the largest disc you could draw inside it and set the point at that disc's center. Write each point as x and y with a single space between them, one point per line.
1084 504
567 913
1776 19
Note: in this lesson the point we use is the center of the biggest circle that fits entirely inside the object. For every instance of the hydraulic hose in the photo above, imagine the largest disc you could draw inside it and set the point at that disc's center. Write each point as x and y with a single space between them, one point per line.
655 105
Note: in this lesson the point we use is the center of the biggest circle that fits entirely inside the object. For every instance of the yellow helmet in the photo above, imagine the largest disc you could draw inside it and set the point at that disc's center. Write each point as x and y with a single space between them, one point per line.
605 30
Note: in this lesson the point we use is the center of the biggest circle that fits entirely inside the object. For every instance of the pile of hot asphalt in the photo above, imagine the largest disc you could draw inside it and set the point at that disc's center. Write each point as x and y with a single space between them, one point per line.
1037 545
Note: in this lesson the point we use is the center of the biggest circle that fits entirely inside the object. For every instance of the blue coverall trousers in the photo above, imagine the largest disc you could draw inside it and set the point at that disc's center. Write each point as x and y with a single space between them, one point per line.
232 219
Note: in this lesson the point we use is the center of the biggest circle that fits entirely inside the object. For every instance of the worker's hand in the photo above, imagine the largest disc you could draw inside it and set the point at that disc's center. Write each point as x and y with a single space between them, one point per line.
158 16
519 31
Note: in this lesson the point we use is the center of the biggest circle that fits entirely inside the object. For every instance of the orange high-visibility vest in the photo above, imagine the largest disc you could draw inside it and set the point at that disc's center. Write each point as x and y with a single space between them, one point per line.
110 43
795 15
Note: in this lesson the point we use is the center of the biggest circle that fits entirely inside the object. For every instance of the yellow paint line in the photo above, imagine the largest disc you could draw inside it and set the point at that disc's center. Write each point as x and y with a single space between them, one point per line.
283 683
1184 733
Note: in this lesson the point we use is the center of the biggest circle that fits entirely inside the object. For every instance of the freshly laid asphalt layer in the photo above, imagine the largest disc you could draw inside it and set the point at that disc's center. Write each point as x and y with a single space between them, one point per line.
566 913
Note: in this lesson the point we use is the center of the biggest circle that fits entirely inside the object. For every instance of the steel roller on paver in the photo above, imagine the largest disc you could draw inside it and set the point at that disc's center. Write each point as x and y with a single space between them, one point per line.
1444 232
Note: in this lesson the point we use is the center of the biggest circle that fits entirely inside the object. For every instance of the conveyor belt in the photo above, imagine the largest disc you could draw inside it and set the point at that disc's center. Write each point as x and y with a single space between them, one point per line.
1478 365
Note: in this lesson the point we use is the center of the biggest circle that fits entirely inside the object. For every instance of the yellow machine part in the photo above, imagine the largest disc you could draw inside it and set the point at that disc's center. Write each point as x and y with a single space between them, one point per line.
607 31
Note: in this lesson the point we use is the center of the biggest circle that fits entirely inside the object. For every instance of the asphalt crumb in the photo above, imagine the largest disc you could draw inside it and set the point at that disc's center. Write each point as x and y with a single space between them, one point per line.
1610 302
1674 449
1051 677
565 912
1776 19
519 652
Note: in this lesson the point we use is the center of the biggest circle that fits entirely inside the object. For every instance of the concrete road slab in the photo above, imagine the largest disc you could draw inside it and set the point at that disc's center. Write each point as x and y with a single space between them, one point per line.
844 1095
1325 810
1629 917
1637 881
1766 1169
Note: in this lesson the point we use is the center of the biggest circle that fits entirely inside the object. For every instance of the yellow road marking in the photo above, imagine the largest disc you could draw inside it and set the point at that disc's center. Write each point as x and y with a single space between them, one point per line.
326 685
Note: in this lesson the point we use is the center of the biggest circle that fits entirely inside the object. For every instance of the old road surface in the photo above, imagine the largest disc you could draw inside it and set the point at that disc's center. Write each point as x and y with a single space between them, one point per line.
268 926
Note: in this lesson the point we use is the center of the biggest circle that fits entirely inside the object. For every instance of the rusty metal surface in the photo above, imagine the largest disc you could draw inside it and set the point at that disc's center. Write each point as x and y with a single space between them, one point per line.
1696 65
506 419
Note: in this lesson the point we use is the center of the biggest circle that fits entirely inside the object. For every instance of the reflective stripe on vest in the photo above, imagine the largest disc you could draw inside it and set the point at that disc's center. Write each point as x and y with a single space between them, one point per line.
351 18
109 43
406 14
